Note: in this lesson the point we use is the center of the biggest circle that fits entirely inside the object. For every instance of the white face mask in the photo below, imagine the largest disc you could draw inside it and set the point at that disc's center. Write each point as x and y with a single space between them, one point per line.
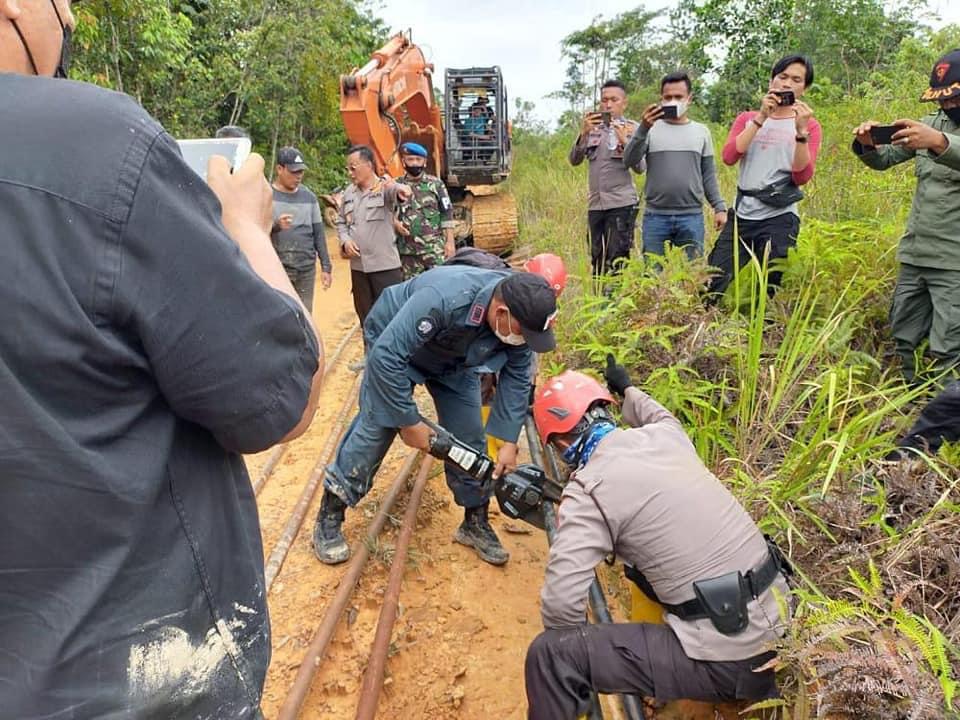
511 338
682 107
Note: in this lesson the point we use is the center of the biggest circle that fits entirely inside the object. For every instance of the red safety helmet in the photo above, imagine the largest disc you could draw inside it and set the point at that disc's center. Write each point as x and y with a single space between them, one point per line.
563 400
551 268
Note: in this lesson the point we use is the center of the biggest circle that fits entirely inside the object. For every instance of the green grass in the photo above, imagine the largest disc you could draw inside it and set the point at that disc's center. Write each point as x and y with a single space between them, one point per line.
793 401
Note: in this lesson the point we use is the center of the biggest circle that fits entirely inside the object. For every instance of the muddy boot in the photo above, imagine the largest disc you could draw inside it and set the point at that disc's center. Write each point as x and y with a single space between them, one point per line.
475 532
328 542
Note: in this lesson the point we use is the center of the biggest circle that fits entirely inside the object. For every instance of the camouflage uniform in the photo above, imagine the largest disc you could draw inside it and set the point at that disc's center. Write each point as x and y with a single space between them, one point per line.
426 214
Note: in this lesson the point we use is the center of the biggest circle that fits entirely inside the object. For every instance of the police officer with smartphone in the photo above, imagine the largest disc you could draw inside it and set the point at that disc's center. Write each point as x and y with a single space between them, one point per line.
612 206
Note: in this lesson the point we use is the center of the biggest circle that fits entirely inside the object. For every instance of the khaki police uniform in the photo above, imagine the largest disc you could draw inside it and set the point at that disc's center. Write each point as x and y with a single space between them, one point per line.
366 218
646 497
612 196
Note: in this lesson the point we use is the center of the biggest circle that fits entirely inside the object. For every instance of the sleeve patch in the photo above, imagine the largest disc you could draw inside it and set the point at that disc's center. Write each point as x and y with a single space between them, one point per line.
426 328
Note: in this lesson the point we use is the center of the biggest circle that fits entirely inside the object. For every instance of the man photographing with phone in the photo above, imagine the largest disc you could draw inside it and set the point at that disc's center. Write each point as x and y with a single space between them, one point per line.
612 197
678 154
776 147
926 301
150 336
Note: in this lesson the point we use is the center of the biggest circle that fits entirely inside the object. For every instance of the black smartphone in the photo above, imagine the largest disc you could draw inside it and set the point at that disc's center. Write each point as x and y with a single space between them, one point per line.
883 134
669 112
605 118
786 96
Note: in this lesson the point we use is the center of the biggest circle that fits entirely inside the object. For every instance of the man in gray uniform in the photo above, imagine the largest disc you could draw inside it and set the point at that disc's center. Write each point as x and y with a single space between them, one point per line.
612 206
680 171
365 227
644 495
297 232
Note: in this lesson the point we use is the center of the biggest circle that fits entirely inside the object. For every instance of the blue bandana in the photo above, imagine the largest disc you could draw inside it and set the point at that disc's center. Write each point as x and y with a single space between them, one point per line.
578 454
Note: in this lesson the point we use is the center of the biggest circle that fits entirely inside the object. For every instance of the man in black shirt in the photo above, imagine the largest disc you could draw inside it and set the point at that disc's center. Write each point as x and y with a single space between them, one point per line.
150 335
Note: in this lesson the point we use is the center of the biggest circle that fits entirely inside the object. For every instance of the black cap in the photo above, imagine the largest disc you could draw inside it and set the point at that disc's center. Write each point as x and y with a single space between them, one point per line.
291 159
945 78
533 303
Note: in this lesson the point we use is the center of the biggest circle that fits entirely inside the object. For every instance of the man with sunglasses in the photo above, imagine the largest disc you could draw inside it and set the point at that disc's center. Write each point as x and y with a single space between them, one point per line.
150 336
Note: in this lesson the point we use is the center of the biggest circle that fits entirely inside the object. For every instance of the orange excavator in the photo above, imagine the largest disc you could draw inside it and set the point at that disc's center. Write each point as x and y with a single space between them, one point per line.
391 100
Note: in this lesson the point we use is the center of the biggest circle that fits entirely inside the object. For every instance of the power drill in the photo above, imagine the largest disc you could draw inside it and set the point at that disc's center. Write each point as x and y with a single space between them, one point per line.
520 493
444 446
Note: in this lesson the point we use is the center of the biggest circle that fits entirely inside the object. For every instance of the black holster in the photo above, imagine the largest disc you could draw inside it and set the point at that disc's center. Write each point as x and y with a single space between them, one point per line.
724 600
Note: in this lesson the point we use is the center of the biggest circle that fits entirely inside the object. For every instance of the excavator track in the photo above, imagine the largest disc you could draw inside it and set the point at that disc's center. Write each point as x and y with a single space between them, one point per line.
488 218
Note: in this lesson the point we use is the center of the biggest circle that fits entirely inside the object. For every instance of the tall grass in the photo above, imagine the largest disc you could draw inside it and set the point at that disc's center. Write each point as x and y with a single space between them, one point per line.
793 401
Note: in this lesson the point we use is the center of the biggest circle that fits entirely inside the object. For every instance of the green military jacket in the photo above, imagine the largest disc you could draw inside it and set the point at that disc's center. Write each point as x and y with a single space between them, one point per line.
932 238
425 214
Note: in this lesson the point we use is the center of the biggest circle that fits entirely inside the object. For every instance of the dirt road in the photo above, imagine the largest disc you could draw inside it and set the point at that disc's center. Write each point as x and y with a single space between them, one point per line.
459 643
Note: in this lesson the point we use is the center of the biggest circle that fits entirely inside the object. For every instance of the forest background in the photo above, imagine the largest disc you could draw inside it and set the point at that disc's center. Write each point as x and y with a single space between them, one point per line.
793 401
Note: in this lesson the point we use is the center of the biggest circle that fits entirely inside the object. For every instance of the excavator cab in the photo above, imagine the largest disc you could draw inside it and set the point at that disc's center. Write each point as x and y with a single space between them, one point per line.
476 127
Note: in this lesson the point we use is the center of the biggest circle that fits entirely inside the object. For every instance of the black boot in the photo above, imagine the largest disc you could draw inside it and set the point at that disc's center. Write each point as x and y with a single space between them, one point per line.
328 543
475 532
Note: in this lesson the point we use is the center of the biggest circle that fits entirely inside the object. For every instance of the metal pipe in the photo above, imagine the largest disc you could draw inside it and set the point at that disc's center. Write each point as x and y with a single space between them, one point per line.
328 626
595 712
601 610
290 530
271 464
373 676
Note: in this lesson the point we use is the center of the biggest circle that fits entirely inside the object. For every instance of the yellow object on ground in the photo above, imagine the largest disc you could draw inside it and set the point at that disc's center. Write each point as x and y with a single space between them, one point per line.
493 444
643 609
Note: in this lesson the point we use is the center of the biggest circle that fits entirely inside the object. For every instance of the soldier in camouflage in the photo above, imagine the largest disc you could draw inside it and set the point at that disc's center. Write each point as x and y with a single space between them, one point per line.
424 224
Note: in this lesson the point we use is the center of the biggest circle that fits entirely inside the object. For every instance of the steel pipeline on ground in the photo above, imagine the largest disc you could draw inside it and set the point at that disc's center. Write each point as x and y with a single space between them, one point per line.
328 626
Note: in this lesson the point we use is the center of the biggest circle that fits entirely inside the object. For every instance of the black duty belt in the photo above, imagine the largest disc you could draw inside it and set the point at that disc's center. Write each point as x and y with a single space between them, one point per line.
755 581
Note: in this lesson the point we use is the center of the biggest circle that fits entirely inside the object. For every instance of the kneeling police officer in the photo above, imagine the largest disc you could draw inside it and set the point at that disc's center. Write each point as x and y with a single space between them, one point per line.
438 330
643 495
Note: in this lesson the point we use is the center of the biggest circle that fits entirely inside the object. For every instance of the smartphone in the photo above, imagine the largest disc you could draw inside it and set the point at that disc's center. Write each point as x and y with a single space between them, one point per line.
669 112
883 134
786 96
605 118
197 152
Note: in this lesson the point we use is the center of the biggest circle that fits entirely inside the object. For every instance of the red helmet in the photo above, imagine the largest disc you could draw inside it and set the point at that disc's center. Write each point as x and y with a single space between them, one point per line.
551 268
563 400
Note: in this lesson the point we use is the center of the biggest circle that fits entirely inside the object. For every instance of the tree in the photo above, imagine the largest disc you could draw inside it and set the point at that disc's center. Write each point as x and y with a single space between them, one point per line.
270 65
737 41
621 47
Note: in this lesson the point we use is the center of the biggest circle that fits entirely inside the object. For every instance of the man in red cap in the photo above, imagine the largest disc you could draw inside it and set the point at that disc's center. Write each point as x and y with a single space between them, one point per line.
926 302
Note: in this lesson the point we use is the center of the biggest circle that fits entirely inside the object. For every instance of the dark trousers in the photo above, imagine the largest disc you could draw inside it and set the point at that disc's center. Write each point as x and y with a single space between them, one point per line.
939 421
926 306
611 237
363 447
368 286
755 236
303 282
564 666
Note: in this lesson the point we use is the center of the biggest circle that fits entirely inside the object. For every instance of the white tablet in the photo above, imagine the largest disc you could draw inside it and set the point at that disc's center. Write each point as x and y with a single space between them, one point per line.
197 153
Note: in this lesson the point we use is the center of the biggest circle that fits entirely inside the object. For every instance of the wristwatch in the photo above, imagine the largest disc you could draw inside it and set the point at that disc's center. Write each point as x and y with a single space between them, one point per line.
802 138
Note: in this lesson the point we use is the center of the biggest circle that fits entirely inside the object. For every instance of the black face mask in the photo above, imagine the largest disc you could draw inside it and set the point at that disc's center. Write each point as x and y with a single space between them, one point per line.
953 113
64 65
414 170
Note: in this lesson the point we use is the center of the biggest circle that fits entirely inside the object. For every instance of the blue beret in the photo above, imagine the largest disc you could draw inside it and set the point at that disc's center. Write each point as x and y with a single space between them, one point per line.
412 148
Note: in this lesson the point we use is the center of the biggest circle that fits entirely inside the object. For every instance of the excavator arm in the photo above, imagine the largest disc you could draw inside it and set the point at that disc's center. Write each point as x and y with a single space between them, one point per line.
392 97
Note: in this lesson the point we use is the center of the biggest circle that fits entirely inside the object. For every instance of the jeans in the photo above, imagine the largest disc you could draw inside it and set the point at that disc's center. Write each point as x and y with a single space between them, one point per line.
303 281
684 231
363 447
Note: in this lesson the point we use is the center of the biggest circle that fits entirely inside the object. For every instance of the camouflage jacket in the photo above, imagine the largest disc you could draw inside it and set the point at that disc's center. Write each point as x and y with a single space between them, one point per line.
425 215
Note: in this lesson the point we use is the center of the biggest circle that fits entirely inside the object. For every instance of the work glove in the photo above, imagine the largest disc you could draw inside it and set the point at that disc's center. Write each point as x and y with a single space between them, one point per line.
617 377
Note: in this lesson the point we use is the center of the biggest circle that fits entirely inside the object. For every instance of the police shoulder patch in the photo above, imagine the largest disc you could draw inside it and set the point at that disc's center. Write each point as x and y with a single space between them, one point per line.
426 327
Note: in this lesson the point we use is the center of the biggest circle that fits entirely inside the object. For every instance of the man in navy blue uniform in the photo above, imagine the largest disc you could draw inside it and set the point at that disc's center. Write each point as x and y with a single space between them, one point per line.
437 330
